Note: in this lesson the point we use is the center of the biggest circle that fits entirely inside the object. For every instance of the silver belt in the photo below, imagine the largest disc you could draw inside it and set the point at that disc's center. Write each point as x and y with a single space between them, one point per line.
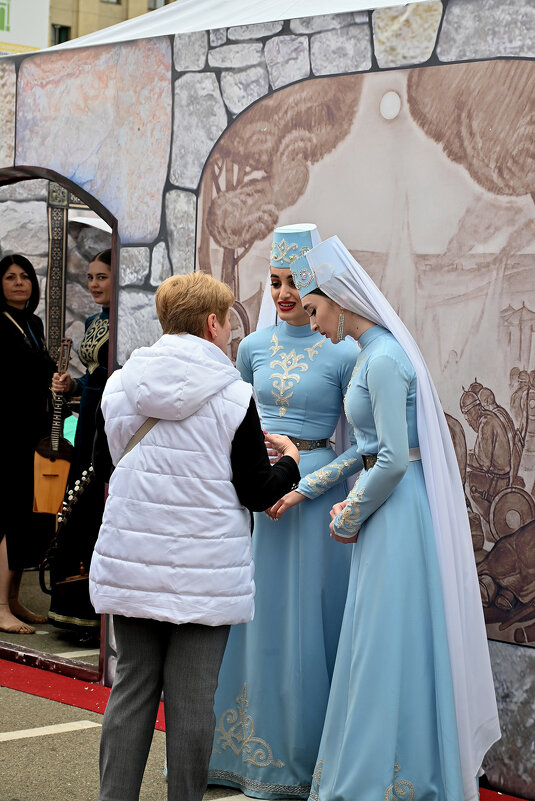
369 460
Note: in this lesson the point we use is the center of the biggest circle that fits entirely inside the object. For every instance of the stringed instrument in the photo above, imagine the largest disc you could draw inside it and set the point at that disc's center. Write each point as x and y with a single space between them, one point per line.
53 456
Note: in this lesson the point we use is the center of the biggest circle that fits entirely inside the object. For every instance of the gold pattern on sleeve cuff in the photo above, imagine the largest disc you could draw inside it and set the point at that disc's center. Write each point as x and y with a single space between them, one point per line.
347 523
326 477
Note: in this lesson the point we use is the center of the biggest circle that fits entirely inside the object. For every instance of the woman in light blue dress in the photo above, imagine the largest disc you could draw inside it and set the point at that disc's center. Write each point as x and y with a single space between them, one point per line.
276 672
412 709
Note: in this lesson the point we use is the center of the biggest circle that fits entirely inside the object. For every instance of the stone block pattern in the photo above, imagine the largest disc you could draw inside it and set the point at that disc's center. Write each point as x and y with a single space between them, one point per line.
7 113
256 31
235 56
322 22
486 29
134 266
25 190
339 51
98 133
180 208
190 51
406 35
160 265
287 59
24 228
138 324
200 118
241 88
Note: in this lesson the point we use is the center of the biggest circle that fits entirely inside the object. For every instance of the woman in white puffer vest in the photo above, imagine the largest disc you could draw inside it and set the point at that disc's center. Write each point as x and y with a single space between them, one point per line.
173 558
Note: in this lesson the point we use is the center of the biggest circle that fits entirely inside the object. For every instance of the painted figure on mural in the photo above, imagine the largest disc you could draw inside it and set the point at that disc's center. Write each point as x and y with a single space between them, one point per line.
488 402
518 398
527 462
507 581
500 510
276 673
489 463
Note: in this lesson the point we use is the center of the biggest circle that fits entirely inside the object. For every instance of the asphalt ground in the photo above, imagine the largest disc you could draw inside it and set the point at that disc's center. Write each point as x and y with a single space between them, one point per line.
49 752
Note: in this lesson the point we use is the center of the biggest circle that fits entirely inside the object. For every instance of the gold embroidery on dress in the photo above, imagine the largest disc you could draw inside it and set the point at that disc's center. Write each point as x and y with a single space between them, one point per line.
316 781
399 790
96 335
314 350
326 477
275 347
349 517
289 363
239 736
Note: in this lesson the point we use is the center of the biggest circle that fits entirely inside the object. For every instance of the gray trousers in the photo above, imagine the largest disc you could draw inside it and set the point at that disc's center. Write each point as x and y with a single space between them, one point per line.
183 661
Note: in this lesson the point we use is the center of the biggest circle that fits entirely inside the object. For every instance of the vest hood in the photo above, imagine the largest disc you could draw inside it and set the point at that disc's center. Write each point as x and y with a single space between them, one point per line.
176 376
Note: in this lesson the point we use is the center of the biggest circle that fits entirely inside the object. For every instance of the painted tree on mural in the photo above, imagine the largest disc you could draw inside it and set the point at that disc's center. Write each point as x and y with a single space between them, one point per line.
462 115
261 165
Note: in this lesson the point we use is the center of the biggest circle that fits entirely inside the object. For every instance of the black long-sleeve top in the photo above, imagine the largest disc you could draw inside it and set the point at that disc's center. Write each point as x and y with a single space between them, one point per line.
257 482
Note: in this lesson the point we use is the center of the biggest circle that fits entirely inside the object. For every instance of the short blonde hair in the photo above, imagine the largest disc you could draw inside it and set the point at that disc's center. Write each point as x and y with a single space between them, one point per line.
183 302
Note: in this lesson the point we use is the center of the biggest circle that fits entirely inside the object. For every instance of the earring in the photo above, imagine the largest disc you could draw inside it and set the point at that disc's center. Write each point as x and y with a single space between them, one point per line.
340 329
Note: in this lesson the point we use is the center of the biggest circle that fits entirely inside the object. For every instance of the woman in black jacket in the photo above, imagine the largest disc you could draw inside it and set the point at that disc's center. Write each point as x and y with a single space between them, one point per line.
25 410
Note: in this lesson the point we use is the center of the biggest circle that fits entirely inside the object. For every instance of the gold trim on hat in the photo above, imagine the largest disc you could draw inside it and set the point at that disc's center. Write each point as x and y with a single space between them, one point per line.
281 252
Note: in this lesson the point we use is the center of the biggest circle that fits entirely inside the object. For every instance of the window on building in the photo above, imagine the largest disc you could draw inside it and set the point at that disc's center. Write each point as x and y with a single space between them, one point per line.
158 4
117 2
4 16
60 34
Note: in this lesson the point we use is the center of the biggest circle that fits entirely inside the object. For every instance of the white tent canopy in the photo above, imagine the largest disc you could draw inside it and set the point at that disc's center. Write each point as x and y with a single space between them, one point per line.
184 16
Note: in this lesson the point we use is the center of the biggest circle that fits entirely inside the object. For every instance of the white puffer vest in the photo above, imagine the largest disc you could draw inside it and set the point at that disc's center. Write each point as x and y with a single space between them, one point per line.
175 542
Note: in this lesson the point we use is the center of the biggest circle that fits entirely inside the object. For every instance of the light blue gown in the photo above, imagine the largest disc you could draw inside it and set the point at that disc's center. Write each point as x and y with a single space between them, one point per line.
276 672
390 729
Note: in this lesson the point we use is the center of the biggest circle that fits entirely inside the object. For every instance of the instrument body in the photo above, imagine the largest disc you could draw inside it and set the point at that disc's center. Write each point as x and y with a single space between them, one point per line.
53 455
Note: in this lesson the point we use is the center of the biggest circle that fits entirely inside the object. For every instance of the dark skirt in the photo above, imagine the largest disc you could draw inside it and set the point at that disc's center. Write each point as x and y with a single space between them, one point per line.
70 558
27 534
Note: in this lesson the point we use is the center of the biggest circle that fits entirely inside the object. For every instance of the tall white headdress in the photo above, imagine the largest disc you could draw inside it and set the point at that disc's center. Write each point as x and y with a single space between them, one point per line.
331 268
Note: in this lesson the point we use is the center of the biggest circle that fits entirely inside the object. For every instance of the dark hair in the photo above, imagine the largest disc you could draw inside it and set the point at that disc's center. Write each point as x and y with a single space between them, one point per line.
104 256
318 292
27 266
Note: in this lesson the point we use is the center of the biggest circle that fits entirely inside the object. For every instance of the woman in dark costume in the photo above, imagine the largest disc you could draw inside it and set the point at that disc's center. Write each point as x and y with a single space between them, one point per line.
70 607
28 368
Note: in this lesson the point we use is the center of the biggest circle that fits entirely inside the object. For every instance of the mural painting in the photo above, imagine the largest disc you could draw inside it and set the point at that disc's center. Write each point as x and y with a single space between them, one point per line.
432 190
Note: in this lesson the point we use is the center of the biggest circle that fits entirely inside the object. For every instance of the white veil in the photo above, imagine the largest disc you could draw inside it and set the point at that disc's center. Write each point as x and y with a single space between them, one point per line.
343 279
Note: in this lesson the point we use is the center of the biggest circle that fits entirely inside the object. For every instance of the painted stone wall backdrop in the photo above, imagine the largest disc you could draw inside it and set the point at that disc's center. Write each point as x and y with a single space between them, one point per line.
109 135
119 137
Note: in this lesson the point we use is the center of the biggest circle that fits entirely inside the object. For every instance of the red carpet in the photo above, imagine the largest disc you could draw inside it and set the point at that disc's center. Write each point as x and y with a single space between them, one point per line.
55 687
94 697
490 795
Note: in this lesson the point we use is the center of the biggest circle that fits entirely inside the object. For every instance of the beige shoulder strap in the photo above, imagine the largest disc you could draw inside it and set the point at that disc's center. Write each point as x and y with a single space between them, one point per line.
143 429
